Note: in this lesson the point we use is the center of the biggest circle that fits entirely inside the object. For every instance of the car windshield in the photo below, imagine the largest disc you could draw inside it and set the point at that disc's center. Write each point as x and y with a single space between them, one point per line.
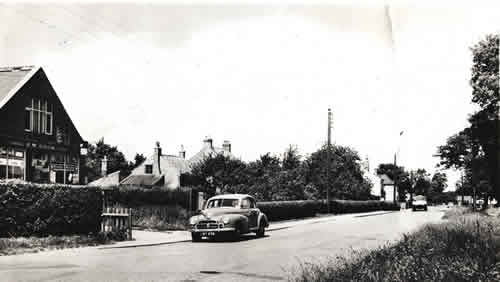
219 203
419 198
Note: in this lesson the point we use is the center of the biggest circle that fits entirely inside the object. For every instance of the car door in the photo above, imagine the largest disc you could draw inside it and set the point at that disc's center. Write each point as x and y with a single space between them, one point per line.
248 204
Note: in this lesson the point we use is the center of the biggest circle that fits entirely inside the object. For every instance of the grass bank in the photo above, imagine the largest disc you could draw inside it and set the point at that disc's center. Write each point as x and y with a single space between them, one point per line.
464 248
20 245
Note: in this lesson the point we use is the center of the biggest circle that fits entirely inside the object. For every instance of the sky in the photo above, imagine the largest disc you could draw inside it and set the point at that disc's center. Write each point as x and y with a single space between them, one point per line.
259 75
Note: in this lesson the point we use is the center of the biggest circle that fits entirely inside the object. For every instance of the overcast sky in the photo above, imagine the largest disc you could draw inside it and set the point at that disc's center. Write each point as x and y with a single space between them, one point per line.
261 76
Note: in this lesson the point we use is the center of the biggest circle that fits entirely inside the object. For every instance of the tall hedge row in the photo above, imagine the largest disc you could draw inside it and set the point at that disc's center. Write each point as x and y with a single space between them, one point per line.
284 210
134 196
27 210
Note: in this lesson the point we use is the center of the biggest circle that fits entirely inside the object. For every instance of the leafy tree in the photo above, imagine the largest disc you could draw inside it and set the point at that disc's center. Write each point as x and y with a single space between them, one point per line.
217 172
438 185
338 169
476 148
422 182
115 158
291 158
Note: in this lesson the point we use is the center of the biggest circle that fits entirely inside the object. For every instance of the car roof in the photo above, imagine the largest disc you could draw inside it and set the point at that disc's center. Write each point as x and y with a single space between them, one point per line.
231 196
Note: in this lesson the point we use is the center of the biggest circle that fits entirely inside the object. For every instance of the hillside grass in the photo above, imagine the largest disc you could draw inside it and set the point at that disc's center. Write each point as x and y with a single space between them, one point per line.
464 248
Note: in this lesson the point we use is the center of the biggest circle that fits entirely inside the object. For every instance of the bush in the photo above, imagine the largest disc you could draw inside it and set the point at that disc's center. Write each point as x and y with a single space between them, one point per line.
464 249
283 210
28 209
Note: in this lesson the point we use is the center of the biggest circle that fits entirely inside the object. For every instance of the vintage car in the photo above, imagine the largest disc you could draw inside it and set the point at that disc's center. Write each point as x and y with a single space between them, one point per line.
419 203
231 214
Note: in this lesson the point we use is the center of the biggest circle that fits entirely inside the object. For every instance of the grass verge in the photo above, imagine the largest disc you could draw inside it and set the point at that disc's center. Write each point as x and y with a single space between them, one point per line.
20 245
465 248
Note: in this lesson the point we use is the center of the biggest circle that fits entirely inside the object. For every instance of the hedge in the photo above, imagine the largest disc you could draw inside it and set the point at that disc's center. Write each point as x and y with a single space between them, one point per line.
283 210
135 196
27 210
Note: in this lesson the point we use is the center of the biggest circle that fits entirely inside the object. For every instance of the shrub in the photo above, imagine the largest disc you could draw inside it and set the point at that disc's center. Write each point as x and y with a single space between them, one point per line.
160 217
28 209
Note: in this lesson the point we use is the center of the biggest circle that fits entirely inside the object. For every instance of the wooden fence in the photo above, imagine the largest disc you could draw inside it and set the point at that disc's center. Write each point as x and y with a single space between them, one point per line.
115 219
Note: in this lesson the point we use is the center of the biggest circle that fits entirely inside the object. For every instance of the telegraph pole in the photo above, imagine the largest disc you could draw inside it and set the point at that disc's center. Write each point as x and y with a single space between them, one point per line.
328 159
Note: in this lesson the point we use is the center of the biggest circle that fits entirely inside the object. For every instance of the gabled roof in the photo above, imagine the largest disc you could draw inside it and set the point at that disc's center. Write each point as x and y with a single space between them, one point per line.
142 179
111 179
12 79
207 151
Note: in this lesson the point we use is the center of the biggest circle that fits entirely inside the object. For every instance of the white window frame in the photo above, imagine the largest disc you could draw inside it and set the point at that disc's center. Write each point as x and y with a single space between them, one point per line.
43 113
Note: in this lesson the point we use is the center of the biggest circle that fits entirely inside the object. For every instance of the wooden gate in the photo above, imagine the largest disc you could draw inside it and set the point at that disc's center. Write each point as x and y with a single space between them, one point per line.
115 219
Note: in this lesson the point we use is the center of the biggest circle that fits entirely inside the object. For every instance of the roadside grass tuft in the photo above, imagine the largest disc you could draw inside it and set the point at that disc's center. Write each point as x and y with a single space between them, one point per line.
465 248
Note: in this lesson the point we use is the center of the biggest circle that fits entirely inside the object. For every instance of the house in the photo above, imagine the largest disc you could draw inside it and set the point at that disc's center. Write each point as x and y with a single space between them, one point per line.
165 170
38 141
387 188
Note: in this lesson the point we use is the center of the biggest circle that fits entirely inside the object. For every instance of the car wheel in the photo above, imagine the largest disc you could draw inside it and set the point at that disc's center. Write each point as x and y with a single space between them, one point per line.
414 209
195 237
425 209
261 231
236 234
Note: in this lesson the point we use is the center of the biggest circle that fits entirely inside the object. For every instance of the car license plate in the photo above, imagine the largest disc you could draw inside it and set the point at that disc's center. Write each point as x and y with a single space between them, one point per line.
205 234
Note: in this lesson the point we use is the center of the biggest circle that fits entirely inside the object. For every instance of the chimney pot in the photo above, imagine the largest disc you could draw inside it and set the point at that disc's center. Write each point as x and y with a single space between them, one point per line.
182 152
104 166
208 142
156 159
226 146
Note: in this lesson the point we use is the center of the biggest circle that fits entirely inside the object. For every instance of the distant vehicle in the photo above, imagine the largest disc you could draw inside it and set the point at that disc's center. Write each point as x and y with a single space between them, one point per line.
231 214
419 203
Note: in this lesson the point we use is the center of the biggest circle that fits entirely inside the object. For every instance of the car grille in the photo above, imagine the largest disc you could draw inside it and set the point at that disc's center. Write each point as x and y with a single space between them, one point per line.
208 224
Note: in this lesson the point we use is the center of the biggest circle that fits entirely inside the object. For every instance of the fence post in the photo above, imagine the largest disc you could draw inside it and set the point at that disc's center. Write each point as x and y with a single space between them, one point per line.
130 224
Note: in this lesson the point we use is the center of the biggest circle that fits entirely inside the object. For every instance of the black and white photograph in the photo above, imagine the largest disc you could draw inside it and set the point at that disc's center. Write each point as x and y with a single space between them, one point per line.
217 140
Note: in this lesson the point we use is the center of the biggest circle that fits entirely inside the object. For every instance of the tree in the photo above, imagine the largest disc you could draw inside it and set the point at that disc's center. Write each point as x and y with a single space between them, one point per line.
438 185
422 183
217 172
115 159
291 158
338 169
476 148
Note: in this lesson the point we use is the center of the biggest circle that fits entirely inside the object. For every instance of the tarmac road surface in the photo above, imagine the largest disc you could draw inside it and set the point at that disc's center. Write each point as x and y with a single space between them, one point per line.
271 258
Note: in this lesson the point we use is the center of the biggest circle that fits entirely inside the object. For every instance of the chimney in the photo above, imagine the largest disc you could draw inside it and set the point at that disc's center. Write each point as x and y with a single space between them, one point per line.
226 146
182 152
104 166
207 142
156 159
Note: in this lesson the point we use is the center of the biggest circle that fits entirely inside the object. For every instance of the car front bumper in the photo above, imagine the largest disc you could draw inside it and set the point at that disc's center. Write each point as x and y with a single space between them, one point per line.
213 232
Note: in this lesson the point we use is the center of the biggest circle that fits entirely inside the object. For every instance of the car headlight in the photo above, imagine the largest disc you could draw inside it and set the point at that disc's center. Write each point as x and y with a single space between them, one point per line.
225 220
192 220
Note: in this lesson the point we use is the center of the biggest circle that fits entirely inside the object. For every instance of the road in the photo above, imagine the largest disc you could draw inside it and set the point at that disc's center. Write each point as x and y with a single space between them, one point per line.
271 258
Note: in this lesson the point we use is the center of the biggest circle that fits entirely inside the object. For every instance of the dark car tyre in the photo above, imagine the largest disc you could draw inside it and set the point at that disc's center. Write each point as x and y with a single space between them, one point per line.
261 231
195 237
236 233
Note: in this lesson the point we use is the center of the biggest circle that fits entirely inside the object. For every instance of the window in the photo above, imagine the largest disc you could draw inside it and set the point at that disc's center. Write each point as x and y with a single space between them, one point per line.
149 169
38 117
245 204
219 203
